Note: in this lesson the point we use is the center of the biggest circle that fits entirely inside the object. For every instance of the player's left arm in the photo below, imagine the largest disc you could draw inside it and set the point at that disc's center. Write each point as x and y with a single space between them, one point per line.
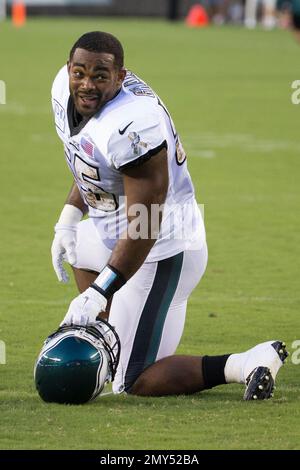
145 188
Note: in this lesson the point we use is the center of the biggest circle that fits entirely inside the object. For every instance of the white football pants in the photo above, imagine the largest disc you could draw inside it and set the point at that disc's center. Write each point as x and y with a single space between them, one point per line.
148 312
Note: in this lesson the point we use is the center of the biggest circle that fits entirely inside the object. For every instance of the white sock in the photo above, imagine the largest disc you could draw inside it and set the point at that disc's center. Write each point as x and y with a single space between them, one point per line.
233 368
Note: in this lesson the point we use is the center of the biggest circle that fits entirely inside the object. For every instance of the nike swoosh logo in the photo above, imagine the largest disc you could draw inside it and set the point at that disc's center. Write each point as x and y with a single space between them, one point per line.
123 130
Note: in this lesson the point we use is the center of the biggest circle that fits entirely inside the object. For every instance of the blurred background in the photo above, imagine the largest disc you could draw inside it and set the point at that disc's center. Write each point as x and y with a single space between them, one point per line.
267 13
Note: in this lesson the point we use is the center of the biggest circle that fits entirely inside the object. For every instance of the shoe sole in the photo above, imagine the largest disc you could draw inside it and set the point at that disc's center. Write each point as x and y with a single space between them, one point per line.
260 384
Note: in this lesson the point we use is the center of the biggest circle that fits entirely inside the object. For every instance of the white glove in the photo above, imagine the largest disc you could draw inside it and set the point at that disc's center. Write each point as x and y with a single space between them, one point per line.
85 308
64 243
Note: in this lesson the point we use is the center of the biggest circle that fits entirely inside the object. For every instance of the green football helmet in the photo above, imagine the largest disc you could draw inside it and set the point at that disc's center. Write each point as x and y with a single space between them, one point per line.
76 362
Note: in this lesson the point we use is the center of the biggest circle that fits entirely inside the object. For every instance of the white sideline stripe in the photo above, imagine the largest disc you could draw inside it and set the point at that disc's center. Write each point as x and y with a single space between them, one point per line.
203 153
46 137
35 302
248 142
192 300
20 109
243 299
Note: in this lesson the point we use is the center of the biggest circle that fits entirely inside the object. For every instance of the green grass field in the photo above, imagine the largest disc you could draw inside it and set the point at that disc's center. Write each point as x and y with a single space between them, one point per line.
229 91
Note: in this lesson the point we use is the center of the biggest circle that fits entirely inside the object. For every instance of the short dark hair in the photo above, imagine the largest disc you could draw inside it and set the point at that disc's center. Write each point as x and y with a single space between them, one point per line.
98 41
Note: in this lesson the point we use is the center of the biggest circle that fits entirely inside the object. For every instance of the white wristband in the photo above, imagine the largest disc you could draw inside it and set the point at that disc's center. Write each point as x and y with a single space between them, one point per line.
70 215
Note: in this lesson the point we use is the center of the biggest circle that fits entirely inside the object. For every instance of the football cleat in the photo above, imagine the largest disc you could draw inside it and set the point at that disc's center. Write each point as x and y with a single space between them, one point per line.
260 382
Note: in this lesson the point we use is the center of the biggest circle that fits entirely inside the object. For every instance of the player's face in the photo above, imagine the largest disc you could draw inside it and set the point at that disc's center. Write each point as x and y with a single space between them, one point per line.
94 80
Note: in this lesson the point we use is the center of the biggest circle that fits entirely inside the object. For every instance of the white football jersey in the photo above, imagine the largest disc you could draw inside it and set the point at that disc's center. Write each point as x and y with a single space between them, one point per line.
129 129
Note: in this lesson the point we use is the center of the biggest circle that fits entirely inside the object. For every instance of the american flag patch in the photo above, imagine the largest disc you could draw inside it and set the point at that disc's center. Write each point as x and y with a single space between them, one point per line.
87 147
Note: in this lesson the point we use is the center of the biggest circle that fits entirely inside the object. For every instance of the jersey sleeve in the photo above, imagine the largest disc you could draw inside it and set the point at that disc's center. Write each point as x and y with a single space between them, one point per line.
59 98
136 140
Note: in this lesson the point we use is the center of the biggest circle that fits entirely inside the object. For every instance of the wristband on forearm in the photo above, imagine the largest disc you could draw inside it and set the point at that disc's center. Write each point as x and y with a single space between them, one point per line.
109 281
70 215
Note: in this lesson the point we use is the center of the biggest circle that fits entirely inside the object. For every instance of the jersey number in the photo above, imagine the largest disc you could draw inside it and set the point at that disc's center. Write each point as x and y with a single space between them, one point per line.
89 179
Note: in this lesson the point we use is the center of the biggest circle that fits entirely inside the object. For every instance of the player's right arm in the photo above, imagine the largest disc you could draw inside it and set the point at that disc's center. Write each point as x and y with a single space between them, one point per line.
75 199
64 243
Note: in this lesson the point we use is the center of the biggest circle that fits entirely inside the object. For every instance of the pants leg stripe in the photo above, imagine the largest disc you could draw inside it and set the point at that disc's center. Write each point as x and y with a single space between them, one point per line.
150 327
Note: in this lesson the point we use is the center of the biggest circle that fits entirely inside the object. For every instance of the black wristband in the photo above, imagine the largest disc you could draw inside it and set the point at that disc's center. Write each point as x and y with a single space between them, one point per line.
109 281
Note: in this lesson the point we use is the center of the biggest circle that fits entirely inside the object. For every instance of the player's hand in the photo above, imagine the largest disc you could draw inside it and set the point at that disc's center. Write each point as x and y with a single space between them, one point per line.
63 249
64 243
85 308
